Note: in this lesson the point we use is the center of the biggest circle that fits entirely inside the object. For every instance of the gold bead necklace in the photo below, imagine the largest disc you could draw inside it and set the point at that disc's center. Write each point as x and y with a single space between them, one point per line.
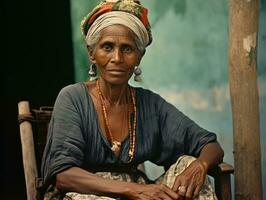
132 131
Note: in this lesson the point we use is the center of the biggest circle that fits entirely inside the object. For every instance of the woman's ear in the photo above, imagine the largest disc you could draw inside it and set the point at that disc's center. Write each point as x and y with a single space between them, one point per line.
91 55
140 56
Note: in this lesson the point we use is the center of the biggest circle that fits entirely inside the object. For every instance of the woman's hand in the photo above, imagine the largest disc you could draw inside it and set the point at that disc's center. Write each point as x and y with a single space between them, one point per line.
189 183
151 192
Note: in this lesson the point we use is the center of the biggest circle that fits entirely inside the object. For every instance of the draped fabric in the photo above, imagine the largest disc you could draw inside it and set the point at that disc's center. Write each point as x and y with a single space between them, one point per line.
163 134
168 179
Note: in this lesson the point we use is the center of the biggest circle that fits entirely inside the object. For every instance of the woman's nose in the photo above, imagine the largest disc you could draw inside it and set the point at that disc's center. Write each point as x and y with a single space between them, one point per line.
117 56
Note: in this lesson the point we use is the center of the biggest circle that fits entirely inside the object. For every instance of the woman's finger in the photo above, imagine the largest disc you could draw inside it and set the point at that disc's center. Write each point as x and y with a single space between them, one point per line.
170 193
180 186
197 190
180 198
182 189
165 196
176 184
190 191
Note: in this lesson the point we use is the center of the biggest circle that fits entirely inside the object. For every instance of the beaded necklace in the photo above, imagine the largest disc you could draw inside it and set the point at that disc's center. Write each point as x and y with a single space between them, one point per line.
132 131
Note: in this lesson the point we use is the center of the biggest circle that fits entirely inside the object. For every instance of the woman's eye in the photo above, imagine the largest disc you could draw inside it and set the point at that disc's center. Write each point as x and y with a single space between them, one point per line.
127 49
107 47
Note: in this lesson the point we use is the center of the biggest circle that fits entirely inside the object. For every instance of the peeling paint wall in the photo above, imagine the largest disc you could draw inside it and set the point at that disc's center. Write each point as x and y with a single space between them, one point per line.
250 46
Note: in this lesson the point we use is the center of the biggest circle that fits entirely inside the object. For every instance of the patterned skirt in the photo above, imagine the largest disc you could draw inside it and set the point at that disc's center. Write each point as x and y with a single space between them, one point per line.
168 178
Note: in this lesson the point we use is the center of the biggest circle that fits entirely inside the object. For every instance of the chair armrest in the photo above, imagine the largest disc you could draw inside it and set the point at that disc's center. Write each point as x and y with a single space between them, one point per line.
222 181
222 168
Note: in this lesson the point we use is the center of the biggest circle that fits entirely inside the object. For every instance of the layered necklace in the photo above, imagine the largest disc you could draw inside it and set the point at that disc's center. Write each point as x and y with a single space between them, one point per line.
116 145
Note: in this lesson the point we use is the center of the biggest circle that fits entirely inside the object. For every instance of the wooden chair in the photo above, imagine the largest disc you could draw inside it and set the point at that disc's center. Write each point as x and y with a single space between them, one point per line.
33 131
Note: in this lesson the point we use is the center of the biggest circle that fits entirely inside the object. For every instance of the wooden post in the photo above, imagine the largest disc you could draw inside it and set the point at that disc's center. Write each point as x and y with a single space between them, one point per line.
243 31
28 152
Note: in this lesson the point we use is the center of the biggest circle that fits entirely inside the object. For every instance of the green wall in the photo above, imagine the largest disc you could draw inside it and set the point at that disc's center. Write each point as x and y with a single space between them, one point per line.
187 62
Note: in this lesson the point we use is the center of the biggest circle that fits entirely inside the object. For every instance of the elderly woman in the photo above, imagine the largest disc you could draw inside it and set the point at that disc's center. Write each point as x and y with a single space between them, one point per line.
101 130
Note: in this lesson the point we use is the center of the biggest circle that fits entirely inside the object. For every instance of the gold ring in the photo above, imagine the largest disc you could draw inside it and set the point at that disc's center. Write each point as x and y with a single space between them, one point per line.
182 189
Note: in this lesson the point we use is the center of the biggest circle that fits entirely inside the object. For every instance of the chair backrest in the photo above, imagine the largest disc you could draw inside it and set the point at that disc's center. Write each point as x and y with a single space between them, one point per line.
33 132
34 126
40 125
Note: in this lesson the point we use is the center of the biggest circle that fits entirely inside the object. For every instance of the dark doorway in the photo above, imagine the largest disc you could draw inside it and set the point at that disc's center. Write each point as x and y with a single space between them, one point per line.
37 63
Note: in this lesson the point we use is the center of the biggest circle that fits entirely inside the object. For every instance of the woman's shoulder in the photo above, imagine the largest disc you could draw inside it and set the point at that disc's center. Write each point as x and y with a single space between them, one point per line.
148 94
73 92
73 88
148 99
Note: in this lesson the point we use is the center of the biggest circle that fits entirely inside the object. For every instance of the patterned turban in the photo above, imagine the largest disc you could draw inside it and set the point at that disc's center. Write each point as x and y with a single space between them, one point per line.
129 13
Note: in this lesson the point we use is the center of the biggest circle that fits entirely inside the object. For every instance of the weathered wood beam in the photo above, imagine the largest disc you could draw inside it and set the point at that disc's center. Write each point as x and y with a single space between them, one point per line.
243 31
28 151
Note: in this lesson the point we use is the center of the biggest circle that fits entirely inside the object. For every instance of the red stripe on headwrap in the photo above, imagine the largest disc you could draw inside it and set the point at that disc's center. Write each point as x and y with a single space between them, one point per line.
105 8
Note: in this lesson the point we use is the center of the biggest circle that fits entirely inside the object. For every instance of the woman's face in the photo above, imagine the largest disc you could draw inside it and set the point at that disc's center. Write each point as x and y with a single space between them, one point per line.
116 54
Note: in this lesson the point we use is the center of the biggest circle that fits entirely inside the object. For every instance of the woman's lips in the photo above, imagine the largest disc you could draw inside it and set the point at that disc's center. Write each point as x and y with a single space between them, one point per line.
116 71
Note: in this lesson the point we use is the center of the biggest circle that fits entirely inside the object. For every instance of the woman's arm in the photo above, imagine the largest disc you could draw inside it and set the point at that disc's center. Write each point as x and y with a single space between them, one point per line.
211 154
78 180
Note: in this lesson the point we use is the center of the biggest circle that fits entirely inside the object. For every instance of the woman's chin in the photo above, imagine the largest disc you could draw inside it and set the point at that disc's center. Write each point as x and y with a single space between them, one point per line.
117 80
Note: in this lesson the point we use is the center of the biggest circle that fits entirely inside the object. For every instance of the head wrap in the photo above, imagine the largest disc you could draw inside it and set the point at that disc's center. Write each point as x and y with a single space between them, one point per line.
129 13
